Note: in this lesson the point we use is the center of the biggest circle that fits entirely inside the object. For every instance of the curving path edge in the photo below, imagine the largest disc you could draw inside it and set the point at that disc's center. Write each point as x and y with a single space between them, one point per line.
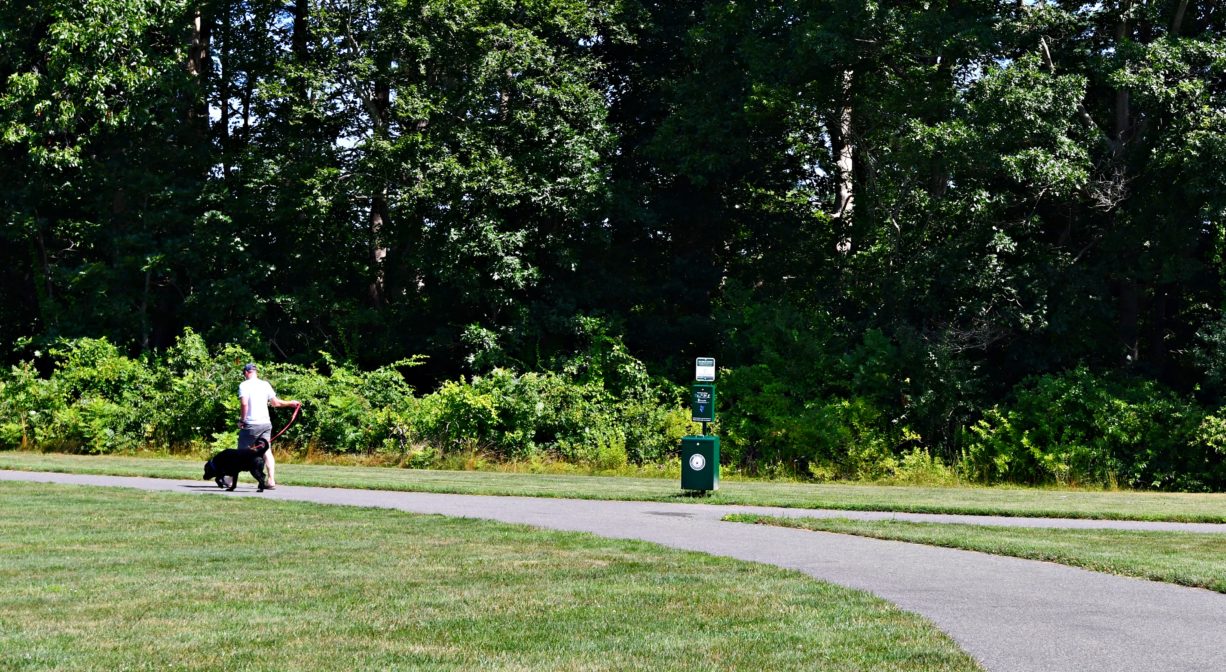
1012 615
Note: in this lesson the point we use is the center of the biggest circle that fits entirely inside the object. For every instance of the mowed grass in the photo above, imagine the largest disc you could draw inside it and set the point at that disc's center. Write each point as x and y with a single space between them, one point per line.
114 579
1185 507
1188 559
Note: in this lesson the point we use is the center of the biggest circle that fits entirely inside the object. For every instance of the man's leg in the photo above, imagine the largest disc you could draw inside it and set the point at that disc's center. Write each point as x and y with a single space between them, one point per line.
270 466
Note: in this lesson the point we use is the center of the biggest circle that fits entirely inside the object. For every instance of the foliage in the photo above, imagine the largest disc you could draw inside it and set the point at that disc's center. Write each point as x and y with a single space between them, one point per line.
28 406
347 410
602 410
1080 428
824 416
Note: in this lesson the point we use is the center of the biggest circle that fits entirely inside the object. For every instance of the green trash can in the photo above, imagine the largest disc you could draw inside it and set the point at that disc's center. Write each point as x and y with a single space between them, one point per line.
700 463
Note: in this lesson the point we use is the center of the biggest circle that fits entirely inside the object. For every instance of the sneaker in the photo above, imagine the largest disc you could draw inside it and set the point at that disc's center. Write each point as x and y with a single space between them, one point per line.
270 486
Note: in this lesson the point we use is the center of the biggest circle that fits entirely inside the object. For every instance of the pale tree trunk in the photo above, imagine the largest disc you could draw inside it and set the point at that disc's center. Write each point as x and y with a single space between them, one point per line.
843 150
223 92
248 93
198 65
382 104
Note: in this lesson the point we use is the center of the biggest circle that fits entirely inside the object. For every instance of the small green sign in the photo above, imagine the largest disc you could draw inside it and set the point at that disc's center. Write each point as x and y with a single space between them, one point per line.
702 403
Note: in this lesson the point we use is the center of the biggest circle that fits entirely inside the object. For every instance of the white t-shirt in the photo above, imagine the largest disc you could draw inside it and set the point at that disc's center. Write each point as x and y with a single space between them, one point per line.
257 394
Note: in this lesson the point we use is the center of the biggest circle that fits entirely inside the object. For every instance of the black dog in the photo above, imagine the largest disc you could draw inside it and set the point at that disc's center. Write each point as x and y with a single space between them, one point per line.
230 462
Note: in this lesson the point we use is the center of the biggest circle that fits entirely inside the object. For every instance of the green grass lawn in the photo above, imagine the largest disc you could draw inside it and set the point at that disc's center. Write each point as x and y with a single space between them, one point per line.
115 579
1175 557
966 500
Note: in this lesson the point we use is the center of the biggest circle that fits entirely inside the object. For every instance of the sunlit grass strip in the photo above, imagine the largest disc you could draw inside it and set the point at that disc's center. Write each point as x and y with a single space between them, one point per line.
1184 507
109 579
1197 560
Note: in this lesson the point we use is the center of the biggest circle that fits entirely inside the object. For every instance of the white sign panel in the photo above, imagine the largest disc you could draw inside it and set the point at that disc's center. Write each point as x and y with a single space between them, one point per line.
704 370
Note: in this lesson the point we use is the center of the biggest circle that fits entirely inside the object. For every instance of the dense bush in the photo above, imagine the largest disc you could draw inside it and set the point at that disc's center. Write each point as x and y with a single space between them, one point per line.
346 410
28 405
1081 428
600 409
99 400
798 407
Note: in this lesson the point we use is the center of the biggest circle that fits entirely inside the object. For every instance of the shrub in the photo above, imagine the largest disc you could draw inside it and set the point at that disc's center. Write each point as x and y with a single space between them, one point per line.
28 406
347 410
457 418
197 392
824 437
1080 428
919 467
570 415
107 399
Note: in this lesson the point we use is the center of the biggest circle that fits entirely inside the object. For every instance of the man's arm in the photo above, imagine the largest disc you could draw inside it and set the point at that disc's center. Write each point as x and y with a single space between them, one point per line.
242 410
277 402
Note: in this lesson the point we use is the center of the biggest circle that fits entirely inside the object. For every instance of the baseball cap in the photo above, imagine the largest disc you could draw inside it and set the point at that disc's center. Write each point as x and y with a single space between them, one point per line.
250 367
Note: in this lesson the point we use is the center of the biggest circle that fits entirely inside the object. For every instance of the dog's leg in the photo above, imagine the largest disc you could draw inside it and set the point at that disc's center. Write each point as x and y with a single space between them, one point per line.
258 472
234 483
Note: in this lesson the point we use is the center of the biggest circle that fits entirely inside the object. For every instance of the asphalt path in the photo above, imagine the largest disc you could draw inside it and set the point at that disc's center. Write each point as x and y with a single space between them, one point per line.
1011 614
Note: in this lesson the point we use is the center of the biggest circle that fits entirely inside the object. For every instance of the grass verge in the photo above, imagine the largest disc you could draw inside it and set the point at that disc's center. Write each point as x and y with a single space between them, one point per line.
1188 559
113 579
1183 507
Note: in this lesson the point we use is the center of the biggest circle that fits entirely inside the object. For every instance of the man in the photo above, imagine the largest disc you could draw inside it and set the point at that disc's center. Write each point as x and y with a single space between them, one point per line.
254 398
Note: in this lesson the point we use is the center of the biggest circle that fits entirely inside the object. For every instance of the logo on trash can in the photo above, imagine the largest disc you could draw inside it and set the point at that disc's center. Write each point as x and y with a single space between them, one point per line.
697 462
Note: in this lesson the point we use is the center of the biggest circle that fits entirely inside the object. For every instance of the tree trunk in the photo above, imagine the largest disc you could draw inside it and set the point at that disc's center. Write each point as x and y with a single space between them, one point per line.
298 44
1130 289
1157 337
144 310
842 146
839 128
198 65
223 92
1177 23
48 298
1121 95
247 94
1129 314
378 206
378 222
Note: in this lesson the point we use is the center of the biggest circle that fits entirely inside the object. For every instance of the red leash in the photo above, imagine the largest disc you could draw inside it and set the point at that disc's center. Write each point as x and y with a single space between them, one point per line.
261 445
292 418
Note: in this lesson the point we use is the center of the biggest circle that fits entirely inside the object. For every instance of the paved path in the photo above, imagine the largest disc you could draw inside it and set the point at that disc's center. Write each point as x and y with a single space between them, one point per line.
1011 614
